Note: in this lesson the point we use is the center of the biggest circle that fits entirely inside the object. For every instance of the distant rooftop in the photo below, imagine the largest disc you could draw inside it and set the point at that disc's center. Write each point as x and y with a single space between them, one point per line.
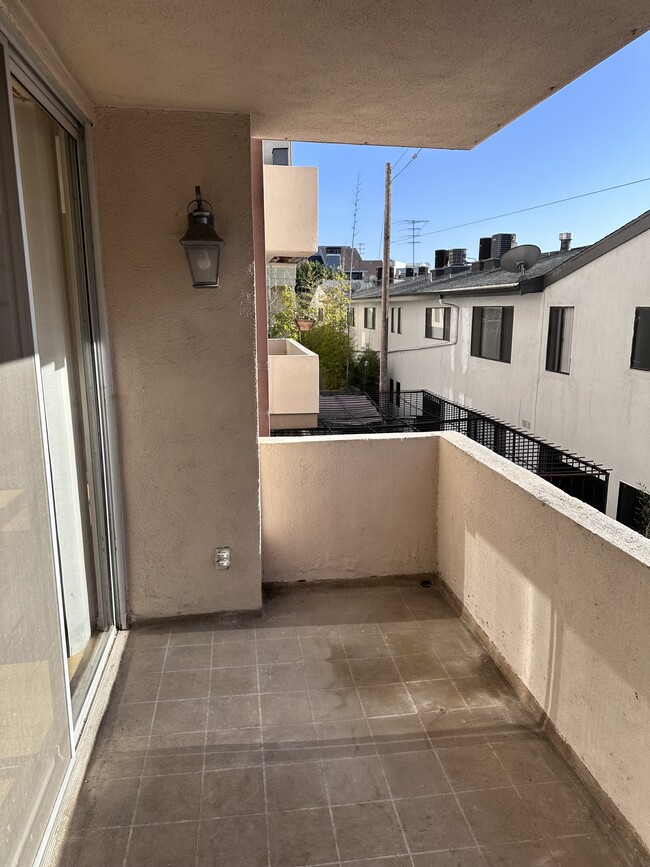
492 279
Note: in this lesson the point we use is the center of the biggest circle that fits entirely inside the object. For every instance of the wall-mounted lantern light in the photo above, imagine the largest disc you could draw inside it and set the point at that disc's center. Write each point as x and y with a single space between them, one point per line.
202 244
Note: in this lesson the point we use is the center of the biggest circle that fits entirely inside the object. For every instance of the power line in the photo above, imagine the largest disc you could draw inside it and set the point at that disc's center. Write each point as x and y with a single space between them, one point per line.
414 157
401 157
534 207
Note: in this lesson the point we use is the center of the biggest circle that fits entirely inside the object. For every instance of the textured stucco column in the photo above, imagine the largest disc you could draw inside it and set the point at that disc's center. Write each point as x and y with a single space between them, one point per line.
183 358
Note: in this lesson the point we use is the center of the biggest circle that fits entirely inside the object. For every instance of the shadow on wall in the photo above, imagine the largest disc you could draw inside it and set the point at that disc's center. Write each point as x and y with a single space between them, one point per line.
562 593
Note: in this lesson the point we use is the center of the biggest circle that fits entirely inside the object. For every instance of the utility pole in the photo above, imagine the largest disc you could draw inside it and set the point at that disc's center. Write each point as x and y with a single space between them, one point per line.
385 282
355 217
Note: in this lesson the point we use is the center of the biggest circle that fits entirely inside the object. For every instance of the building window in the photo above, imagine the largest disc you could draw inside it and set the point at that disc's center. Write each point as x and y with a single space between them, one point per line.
280 156
369 317
356 275
641 341
396 320
492 333
437 323
351 316
398 389
633 508
560 331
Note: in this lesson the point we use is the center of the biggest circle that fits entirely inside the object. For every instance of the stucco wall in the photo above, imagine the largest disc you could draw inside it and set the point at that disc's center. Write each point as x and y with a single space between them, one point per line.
347 507
602 409
293 384
503 390
184 358
563 593
291 210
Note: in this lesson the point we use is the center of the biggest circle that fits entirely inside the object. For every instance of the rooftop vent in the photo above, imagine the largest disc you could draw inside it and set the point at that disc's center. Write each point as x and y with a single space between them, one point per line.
391 274
458 256
484 248
408 272
442 257
500 244
422 270
565 241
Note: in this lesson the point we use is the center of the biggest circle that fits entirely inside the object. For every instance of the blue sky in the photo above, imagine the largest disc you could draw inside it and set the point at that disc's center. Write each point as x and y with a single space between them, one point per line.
594 133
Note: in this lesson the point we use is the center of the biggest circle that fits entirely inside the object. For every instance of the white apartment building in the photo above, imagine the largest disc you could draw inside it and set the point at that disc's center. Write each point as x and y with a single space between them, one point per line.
564 352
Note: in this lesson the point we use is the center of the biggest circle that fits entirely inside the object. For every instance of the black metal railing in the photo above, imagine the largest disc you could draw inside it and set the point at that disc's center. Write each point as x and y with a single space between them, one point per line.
421 410
573 473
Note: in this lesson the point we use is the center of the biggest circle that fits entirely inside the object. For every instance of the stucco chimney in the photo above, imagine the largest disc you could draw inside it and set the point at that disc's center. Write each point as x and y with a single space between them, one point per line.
565 241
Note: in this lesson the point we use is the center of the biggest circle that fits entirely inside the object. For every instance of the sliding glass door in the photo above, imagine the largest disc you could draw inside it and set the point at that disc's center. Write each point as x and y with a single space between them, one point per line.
57 613
47 160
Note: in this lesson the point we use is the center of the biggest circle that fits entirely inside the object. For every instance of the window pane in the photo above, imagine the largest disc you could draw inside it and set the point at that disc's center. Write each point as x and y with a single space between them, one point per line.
491 333
34 733
641 341
565 339
47 159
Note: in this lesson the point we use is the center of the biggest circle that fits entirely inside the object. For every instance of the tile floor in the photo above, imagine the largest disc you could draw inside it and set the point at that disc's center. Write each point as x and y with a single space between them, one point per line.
347 726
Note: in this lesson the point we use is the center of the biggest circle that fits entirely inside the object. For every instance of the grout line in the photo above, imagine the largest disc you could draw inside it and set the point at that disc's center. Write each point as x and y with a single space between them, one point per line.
137 794
440 765
459 805
320 763
259 712
381 766
205 744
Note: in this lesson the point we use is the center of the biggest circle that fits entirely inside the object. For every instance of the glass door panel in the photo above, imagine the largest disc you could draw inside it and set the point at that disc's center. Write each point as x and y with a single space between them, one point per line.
47 158
35 745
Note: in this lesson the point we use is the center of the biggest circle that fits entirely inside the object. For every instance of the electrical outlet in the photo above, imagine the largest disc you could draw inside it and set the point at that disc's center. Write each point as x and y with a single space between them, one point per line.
222 558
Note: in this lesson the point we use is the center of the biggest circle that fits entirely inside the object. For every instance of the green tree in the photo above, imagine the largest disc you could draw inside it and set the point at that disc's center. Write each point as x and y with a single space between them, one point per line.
364 373
334 351
283 318
310 275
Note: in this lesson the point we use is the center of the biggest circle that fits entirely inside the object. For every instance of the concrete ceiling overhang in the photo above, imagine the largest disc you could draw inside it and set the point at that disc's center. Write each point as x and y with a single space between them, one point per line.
431 73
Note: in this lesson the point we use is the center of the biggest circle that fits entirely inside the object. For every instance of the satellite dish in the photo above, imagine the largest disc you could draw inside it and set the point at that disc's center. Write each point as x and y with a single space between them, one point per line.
520 259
